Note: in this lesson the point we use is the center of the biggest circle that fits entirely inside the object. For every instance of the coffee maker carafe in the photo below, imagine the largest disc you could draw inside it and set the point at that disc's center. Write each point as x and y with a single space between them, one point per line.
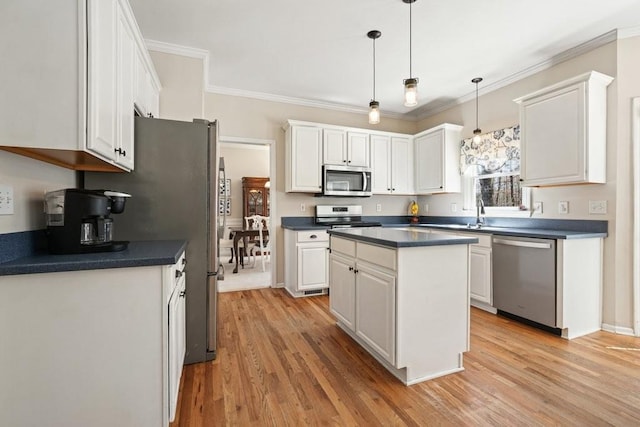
78 221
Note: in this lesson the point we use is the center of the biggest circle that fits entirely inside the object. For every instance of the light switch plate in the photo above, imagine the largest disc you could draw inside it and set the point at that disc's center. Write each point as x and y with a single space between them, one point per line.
597 207
537 207
6 200
454 207
378 207
563 207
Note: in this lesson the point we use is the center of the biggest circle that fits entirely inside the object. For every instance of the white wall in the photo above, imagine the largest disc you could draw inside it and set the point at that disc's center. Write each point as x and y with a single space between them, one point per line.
242 160
30 179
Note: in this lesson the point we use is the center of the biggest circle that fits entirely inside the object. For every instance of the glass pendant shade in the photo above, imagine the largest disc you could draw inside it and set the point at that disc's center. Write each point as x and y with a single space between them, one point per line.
410 92
374 113
477 139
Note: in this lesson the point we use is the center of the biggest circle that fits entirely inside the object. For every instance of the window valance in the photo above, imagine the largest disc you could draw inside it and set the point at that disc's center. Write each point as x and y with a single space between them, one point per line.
497 154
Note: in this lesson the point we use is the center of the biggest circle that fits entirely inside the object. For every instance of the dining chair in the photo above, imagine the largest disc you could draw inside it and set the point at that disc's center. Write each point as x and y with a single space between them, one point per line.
251 222
264 230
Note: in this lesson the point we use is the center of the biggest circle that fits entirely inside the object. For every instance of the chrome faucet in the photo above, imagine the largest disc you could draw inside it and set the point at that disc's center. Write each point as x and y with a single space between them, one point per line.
479 211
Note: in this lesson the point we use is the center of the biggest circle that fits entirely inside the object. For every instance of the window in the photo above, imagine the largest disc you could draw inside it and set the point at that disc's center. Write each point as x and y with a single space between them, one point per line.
491 172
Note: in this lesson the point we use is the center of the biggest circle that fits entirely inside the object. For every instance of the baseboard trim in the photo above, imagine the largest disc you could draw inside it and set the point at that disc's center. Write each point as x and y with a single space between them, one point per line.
620 330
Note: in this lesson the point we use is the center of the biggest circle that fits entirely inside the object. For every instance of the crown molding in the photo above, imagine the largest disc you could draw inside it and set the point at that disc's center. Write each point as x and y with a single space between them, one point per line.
555 60
297 101
415 115
177 49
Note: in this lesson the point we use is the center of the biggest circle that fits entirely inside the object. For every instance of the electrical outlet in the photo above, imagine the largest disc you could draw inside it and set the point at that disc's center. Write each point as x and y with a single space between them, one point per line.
597 207
6 200
302 207
378 207
563 207
537 207
454 207
426 208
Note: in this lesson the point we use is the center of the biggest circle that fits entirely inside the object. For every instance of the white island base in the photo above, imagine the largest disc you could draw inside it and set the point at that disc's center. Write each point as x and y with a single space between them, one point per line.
407 306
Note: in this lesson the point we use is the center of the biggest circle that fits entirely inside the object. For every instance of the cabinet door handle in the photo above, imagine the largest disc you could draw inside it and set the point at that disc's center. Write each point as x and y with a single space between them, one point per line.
182 294
179 273
350 268
313 236
184 261
355 271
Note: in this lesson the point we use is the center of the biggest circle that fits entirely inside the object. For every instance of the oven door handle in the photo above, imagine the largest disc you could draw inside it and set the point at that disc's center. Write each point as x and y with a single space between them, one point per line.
522 244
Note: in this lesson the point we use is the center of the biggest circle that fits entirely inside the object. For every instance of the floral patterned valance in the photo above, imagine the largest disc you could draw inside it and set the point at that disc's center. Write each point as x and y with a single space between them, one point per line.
497 153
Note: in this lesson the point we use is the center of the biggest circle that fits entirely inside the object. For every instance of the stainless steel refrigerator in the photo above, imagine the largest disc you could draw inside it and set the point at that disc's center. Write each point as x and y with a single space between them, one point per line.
174 188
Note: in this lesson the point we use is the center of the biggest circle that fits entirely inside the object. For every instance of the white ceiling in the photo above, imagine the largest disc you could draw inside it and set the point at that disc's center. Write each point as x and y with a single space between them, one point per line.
317 51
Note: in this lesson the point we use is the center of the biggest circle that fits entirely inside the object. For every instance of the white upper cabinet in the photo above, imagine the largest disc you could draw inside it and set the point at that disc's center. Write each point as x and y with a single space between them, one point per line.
102 77
437 156
358 149
81 99
341 147
402 165
563 132
303 158
391 164
380 164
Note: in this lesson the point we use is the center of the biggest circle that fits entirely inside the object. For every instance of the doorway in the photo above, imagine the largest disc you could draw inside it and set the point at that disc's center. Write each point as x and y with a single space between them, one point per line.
246 159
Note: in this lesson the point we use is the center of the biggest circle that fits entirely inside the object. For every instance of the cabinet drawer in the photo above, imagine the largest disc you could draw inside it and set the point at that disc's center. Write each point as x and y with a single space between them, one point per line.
383 257
347 247
313 236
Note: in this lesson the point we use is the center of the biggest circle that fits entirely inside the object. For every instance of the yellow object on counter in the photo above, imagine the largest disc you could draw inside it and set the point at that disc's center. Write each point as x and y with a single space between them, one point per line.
413 208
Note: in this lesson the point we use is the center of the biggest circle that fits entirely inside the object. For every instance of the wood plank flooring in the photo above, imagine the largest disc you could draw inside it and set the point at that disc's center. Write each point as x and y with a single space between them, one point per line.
283 362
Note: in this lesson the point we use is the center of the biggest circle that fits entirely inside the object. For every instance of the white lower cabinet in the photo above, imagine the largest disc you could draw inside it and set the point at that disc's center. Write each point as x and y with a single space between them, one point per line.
342 289
376 309
480 280
95 347
408 307
177 338
306 262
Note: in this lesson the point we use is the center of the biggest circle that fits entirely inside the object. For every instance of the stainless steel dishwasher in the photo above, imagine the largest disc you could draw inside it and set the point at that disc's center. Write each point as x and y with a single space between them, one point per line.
524 278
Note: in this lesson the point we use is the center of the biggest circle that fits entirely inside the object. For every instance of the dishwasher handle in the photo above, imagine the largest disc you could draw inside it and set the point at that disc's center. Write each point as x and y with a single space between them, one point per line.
522 244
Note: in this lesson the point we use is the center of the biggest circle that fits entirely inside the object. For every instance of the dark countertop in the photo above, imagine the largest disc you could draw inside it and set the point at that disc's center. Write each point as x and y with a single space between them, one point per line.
400 237
519 227
518 232
138 254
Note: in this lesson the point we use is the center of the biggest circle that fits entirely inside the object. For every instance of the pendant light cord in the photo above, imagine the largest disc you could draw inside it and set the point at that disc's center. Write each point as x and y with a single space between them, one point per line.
410 31
374 69
477 105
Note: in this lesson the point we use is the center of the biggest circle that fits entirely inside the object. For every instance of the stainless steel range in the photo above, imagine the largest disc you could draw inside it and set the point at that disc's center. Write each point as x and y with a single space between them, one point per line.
342 216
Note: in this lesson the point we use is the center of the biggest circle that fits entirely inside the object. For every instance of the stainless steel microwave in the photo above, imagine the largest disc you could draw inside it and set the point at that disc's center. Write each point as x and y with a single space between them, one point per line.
349 181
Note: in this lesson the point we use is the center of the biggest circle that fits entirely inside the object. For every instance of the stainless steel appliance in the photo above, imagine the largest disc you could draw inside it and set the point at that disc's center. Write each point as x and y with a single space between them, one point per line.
350 181
342 216
78 221
175 196
524 278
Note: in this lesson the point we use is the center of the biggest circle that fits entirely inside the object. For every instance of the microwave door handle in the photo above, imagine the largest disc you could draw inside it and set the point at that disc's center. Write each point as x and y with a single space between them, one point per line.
364 181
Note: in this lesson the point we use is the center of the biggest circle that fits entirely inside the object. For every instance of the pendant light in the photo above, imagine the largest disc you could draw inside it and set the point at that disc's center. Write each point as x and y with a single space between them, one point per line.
374 106
477 139
410 84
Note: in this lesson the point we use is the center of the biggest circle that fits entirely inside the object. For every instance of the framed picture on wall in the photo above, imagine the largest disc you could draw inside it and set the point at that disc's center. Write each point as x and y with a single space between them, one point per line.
222 210
225 187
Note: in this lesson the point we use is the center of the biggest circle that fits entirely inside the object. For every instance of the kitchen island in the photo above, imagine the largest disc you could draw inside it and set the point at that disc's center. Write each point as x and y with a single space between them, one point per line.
403 295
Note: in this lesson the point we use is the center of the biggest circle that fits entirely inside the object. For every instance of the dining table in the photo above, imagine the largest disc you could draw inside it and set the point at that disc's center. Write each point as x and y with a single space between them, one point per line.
244 234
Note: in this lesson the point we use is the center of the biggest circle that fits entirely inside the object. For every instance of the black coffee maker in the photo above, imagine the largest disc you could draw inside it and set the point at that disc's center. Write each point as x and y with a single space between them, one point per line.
78 220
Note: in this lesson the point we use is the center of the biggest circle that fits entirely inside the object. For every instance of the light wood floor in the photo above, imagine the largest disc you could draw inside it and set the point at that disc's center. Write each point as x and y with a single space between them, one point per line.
282 361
